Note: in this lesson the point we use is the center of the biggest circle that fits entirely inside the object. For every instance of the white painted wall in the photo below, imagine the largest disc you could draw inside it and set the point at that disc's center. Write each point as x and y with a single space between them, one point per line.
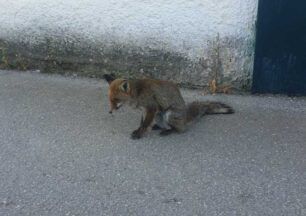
178 25
181 26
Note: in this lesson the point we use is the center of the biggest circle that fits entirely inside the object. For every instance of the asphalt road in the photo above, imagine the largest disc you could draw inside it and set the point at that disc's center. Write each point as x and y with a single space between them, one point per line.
61 153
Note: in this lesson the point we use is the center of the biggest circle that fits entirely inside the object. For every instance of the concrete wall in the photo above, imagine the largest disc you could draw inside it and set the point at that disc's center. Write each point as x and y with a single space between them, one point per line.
190 42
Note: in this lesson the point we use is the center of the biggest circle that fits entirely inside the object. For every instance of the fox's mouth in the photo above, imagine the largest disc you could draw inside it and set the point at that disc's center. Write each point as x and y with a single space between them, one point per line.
118 105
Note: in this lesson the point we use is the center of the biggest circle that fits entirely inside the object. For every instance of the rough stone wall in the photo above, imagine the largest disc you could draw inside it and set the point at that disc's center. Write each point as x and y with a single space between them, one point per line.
190 42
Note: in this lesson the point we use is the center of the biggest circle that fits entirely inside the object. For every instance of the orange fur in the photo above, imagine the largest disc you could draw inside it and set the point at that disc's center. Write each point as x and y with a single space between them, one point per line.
162 102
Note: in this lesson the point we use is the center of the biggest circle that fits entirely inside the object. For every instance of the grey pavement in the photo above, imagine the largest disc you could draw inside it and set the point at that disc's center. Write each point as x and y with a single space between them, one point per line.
61 153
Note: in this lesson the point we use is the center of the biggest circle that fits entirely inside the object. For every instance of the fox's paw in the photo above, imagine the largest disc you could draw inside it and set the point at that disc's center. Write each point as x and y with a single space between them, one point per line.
166 132
156 127
137 134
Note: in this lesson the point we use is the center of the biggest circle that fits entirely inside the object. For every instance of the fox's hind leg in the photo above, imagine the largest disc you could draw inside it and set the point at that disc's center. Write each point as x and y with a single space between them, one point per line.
160 122
176 121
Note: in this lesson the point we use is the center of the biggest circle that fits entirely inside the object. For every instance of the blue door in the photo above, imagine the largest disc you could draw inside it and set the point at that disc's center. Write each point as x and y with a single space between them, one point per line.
280 53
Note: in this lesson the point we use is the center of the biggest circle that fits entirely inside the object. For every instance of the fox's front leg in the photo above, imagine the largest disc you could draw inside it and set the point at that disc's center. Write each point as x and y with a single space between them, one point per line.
144 124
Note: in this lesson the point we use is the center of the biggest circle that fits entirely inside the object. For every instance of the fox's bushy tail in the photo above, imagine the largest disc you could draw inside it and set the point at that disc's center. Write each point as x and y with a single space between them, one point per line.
198 109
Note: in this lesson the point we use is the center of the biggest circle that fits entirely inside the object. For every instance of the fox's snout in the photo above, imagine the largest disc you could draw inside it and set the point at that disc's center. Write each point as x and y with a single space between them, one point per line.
114 106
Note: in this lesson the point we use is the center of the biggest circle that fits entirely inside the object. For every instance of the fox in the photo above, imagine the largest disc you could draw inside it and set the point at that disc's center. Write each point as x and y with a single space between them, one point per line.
162 101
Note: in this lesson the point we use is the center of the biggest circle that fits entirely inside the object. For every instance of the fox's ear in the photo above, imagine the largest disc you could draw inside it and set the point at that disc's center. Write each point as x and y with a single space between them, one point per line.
125 86
109 78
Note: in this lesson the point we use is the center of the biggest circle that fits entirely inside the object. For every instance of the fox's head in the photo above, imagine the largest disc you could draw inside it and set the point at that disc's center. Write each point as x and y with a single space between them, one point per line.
118 92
